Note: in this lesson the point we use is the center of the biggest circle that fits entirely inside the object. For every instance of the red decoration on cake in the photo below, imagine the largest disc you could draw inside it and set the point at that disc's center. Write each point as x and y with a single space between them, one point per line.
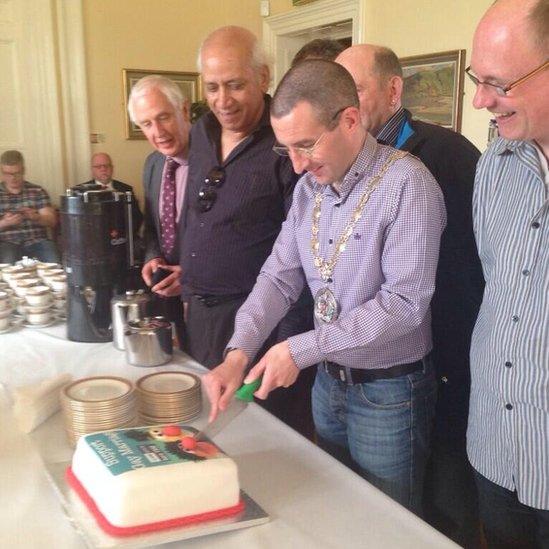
171 430
188 443
113 530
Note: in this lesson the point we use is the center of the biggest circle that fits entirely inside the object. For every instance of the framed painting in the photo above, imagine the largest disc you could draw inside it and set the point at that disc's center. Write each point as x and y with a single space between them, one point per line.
433 87
189 82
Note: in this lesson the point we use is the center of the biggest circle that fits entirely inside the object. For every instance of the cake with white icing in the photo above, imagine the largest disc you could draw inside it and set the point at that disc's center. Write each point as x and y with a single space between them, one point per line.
145 479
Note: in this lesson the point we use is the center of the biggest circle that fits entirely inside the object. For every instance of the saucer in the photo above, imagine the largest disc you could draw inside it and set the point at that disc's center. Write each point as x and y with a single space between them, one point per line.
14 323
45 325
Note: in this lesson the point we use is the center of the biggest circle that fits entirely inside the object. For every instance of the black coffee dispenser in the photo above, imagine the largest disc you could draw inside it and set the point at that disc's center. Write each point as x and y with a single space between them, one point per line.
97 239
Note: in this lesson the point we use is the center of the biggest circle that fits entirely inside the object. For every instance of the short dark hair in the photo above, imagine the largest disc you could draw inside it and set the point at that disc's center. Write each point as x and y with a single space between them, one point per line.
319 48
12 158
539 21
325 85
386 62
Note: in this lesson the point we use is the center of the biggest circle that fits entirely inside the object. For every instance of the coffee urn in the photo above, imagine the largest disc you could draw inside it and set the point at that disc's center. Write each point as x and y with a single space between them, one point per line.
97 238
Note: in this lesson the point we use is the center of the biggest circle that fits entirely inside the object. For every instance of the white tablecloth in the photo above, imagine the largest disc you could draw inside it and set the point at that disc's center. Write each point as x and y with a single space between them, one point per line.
312 499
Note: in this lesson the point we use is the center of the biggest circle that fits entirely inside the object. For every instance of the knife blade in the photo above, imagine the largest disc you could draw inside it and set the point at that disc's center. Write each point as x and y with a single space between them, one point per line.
238 404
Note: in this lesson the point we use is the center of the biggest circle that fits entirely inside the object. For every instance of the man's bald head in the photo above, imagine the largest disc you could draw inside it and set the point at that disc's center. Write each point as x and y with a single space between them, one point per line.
510 42
378 77
101 167
235 77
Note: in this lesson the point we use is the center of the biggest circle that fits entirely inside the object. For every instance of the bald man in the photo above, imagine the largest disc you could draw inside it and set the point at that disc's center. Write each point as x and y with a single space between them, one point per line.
508 433
450 502
102 170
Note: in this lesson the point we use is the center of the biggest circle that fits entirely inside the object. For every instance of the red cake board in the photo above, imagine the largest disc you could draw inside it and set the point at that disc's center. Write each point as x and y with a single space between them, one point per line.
113 530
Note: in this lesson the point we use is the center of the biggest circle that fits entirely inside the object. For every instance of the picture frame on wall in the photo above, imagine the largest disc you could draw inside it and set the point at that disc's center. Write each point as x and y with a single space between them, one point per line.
433 87
189 82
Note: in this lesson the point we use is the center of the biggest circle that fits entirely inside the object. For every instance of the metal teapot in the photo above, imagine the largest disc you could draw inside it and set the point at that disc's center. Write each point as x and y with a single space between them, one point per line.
148 341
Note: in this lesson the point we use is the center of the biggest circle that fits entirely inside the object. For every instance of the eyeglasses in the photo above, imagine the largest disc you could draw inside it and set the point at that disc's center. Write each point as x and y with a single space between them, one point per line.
309 152
503 90
207 194
99 166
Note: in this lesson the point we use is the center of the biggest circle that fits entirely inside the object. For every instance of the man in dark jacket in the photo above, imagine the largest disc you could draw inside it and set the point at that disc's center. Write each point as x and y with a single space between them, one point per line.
450 497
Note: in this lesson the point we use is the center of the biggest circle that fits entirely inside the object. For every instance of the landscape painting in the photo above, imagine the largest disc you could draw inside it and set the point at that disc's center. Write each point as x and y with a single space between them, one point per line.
433 87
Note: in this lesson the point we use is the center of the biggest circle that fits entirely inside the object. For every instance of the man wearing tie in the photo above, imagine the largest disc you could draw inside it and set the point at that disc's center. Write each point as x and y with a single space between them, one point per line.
158 107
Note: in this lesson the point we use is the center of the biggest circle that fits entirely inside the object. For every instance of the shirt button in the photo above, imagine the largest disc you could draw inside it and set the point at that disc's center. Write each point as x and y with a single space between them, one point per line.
535 225
330 241
515 318
193 254
508 364
202 224
509 406
525 272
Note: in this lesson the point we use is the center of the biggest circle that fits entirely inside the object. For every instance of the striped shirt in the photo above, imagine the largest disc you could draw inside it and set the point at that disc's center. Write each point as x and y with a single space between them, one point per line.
508 433
383 281
27 232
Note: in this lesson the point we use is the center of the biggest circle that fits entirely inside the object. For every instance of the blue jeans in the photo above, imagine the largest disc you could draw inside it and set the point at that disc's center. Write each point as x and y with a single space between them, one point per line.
508 523
43 250
381 429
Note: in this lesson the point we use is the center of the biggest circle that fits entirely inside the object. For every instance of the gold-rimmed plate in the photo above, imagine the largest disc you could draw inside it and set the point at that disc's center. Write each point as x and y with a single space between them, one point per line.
97 390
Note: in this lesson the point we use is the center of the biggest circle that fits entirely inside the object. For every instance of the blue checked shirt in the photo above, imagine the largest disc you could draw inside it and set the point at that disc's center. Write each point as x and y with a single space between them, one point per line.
508 434
383 281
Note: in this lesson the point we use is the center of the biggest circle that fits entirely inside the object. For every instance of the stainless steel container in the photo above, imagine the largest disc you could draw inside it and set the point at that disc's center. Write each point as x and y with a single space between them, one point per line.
131 306
148 341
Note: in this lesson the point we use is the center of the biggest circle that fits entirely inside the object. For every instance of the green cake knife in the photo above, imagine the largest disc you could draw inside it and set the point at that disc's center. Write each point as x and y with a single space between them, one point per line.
238 404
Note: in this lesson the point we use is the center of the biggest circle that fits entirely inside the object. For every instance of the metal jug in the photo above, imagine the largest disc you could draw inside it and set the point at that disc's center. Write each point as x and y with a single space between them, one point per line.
148 341
131 306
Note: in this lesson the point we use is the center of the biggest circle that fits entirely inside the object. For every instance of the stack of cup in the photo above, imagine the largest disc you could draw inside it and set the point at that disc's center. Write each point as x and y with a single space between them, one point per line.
97 404
6 308
168 397
38 307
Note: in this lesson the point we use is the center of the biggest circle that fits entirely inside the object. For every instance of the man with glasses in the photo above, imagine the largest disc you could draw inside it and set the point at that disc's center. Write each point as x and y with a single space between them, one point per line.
26 214
102 170
508 432
158 107
363 232
450 492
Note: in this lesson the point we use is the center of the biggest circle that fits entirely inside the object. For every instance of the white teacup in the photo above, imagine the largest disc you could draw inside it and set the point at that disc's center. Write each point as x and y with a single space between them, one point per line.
17 277
38 315
58 283
5 302
38 296
52 273
43 268
8 272
4 319
21 286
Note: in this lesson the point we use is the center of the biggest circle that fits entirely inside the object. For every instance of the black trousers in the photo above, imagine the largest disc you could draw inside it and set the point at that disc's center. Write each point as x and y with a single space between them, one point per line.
209 329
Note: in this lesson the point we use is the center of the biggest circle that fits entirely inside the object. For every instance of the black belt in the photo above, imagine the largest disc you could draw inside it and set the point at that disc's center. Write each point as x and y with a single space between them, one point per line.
213 300
359 375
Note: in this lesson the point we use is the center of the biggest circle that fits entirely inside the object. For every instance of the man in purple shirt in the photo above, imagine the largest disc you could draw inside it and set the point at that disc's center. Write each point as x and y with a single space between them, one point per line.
363 232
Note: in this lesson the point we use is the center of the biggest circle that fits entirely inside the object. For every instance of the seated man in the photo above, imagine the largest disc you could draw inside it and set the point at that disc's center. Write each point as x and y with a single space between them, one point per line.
25 214
102 170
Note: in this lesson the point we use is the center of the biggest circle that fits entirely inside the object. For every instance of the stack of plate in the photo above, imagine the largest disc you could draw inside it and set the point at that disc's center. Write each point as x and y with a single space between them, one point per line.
168 397
97 404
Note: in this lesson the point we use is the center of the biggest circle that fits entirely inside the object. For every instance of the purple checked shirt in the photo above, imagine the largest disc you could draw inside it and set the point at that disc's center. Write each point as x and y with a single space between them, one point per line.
383 281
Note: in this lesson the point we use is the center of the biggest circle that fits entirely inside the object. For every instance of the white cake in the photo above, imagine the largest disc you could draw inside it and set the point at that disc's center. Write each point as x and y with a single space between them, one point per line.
142 476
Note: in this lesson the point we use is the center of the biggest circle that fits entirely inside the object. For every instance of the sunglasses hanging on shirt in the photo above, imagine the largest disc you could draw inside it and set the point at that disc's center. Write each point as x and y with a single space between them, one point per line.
207 194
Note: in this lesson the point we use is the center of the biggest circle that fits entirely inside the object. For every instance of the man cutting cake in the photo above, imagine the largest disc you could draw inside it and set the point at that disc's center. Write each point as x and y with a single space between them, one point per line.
363 232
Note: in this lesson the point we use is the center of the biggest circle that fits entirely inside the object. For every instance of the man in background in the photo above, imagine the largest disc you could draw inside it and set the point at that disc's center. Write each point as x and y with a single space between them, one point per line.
26 214
508 433
450 495
102 170
157 106
319 48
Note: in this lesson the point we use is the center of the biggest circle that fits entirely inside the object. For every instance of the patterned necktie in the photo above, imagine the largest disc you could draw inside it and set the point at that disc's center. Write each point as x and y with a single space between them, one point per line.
167 213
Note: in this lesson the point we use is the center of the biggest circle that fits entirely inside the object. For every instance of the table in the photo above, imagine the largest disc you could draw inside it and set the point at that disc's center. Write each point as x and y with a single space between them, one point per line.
312 499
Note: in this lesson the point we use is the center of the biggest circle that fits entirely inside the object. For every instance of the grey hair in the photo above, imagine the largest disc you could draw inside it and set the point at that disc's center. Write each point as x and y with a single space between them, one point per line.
168 87
12 158
259 57
325 85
